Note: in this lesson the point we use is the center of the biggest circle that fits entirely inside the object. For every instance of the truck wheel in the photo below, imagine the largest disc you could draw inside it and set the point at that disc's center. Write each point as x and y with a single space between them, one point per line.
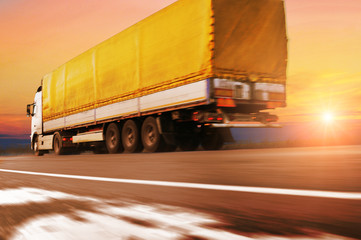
131 138
212 141
58 144
112 139
152 140
37 152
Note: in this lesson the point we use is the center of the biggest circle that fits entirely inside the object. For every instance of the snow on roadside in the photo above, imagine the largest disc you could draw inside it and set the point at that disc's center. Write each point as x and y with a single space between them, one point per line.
118 221
34 195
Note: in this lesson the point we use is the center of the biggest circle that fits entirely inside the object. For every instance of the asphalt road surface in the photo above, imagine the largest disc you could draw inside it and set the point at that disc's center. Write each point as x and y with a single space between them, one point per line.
293 193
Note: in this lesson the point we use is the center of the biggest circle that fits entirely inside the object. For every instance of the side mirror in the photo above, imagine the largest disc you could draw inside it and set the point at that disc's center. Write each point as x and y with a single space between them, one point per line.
30 110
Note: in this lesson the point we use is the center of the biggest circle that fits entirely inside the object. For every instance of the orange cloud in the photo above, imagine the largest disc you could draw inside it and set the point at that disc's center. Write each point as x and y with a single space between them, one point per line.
323 70
14 124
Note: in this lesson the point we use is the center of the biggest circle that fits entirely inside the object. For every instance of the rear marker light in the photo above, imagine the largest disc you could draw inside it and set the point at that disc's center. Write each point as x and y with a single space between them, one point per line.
225 102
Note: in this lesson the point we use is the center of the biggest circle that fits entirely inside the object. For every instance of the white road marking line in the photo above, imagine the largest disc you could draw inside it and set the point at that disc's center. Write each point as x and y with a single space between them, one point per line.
263 190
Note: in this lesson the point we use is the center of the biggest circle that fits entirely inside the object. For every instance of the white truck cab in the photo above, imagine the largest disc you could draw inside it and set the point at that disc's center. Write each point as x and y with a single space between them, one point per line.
35 111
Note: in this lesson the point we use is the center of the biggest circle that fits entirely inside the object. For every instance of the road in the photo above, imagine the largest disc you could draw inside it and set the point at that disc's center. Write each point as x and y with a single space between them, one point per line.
293 193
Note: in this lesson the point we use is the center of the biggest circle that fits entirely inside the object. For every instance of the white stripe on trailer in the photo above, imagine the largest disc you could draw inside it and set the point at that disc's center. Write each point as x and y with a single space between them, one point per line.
186 94
189 93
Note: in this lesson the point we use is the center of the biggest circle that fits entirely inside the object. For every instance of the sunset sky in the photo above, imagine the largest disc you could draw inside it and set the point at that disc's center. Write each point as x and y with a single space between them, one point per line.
324 71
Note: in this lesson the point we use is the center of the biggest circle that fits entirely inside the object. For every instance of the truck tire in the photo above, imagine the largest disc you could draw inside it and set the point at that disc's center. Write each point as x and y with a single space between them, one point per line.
112 139
212 141
151 138
58 144
37 152
131 137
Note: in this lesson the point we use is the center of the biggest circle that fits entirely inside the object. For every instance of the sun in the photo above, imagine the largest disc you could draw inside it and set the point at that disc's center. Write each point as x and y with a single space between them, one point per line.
327 117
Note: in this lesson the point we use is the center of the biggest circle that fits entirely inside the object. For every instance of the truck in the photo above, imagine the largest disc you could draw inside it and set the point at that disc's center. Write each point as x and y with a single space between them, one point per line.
180 78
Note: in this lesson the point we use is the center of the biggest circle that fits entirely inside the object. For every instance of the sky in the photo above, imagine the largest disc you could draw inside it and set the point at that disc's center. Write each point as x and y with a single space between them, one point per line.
324 69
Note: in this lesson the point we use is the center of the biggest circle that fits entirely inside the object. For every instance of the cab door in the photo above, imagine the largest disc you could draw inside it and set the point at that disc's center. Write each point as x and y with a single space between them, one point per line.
36 120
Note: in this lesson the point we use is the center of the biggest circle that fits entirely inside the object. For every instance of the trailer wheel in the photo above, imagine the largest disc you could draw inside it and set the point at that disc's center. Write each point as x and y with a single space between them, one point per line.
131 137
37 152
112 139
58 144
212 140
151 138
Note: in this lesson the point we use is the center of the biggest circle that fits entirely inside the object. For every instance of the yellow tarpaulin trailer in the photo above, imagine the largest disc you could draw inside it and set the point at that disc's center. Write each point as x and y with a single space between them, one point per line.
189 41
182 77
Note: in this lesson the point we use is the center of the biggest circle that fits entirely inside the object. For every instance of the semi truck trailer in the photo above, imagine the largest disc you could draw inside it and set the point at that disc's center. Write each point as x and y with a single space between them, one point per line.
180 78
